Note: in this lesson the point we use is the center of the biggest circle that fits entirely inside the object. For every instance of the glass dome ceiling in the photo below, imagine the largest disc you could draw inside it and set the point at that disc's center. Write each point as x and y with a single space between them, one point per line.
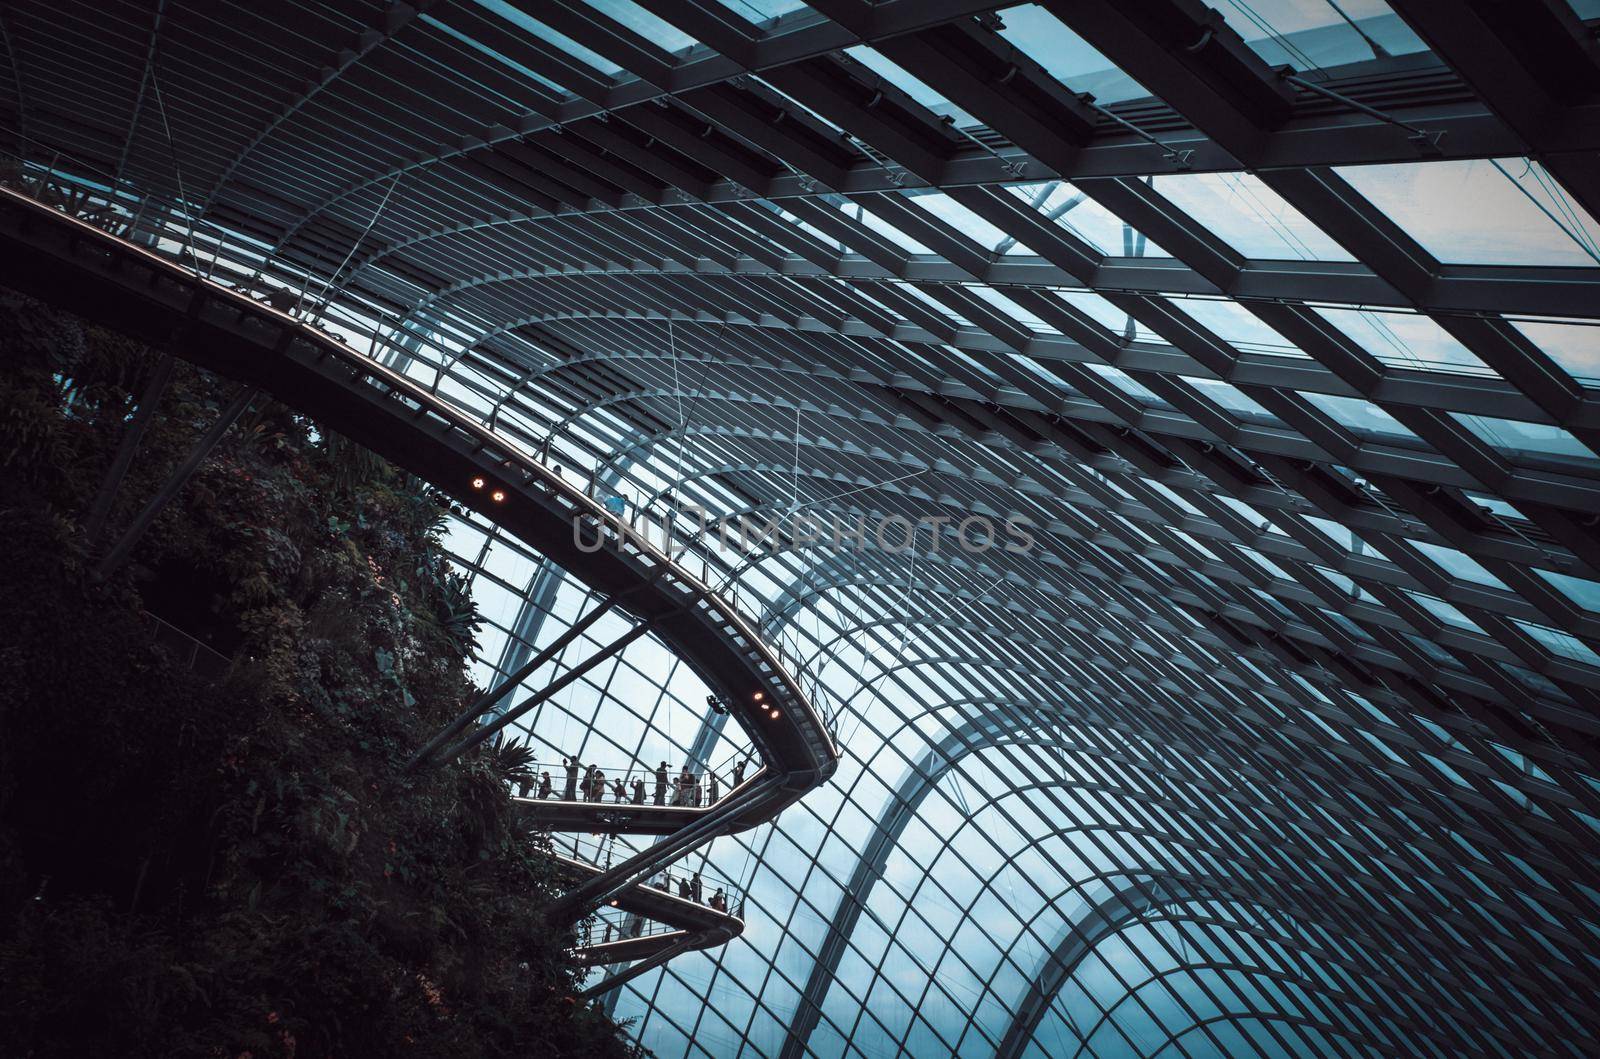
1276 324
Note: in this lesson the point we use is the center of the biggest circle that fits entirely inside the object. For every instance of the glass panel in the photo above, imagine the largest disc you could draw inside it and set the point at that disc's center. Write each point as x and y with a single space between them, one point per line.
965 221
911 86
605 67
484 49
1573 344
651 27
1087 219
1311 34
1518 214
1582 591
1361 416
1236 325
1249 216
1066 56
1231 398
1561 643
1405 340
760 11
1517 438
879 225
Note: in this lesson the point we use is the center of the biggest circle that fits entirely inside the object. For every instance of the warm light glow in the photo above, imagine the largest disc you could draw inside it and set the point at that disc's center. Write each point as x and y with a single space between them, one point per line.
774 715
498 495
760 695
477 483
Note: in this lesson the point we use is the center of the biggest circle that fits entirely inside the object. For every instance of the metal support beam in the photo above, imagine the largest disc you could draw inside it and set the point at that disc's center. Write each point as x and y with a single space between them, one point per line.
191 463
576 903
544 693
491 697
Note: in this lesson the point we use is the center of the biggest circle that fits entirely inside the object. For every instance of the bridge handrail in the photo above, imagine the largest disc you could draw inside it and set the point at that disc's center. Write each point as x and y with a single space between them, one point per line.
115 193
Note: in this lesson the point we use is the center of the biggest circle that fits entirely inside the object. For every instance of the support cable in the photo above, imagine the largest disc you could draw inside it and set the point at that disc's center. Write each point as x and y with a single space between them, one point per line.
177 173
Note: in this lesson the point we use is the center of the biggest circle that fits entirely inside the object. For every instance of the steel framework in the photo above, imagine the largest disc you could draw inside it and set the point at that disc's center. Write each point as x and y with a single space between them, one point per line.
1283 739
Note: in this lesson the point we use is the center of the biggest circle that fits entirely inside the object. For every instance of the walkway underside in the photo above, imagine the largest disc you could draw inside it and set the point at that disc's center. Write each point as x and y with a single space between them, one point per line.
697 926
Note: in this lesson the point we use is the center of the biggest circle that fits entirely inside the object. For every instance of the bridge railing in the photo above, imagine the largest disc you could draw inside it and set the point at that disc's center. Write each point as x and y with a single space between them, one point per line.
225 256
700 886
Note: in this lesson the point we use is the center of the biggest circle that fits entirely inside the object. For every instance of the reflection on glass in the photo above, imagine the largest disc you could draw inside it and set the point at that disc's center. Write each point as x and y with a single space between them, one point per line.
1087 219
1311 34
1231 397
1361 417
1236 325
1496 211
917 89
965 221
871 220
1573 344
1405 340
1249 216
1066 56
1516 438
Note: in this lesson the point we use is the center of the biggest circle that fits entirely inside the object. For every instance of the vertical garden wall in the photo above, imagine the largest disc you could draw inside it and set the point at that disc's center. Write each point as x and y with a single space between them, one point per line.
211 850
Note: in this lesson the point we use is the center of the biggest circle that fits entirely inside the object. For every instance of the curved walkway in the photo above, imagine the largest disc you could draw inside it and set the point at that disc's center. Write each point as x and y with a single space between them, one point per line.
70 263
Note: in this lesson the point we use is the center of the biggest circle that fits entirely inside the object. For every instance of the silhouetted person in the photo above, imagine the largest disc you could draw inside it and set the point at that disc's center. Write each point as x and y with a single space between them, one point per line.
713 792
683 787
572 778
607 939
619 790
695 893
719 901
597 792
683 889
661 784
544 785
638 792
588 784
524 785
738 772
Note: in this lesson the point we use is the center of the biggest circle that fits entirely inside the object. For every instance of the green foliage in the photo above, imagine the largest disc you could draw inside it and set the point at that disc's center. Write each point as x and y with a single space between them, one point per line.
241 868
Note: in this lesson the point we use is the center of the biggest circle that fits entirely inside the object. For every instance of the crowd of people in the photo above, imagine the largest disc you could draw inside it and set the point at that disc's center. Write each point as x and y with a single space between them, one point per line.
688 788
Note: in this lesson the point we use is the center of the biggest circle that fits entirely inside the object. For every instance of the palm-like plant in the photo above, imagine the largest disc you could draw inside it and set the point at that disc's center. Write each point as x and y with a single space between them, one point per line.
511 760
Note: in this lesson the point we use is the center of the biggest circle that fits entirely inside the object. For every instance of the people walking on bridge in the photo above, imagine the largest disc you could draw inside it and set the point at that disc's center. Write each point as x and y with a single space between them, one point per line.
738 772
683 888
597 787
695 892
713 792
719 901
638 791
661 784
681 795
588 783
571 765
619 790
694 790
544 785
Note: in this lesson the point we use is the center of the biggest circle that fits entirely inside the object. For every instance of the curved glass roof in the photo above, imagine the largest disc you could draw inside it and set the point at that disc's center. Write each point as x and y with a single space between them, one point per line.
1274 327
